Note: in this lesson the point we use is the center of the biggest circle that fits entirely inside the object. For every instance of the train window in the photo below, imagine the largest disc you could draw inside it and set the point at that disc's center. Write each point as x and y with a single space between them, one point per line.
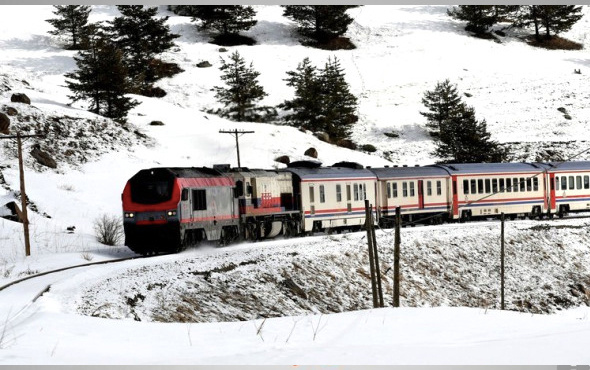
388 190
184 195
571 183
411 188
311 194
339 193
239 188
404 189
515 184
439 187
395 189
364 187
564 183
473 188
536 184
494 185
248 188
508 187
578 182
429 188
522 184
480 186
502 187
465 186
556 182
586 182
348 192
529 184
199 200
488 186
322 194
356 191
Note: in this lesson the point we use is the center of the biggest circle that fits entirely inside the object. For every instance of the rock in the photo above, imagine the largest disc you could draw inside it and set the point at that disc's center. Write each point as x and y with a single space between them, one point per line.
323 136
222 50
42 157
11 111
204 64
311 152
20 98
283 159
4 124
156 123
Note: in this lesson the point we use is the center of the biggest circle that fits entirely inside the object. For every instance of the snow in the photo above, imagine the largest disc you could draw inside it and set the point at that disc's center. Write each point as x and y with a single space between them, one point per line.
143 311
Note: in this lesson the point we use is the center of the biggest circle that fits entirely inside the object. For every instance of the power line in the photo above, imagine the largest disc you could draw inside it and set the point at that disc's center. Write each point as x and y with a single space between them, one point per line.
237 133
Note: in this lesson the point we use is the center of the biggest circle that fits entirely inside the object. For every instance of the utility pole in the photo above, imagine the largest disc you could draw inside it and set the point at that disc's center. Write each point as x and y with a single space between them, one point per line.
396 256
237 133
24 216
502 262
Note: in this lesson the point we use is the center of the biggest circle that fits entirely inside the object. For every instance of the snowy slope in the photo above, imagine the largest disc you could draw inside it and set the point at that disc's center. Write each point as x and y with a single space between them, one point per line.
402 51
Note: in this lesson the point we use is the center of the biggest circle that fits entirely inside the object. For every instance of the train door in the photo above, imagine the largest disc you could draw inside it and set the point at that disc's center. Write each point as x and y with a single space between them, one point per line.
552 203
455 204
421 194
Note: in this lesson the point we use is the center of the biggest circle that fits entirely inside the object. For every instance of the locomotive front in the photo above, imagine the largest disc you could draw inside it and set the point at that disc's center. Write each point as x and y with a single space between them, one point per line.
151 201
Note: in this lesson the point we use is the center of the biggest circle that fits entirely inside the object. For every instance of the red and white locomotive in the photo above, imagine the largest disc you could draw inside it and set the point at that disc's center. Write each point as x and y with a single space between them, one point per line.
166 209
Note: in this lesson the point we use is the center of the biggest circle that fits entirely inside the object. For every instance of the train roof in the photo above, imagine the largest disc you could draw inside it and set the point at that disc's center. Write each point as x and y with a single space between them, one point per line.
491 168
409 172
330 173
566 166
184 172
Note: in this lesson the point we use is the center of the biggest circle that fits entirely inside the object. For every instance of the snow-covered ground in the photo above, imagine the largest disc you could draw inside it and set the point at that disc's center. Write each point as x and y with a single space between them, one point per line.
450 273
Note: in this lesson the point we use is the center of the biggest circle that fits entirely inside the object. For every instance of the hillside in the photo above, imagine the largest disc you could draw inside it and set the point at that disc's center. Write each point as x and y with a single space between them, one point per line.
402 51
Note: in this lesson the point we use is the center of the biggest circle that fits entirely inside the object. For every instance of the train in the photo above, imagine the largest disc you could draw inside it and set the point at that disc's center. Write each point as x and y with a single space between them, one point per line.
166 209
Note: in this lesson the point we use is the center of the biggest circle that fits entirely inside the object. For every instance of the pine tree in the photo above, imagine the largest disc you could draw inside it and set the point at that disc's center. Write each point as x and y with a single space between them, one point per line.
338 104
141 37
320 22
460 137
242 91
226 19
102 79
72 20
479 17
443 103
553 18
306 105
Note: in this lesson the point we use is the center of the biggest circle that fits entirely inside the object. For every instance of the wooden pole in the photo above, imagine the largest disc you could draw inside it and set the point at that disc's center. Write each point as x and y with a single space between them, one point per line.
23 195
371 256
502 262
376 256
396 256
237 133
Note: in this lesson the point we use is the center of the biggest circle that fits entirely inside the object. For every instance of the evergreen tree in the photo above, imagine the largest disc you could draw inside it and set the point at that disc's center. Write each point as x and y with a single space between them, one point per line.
323 101
442 103
553 18
306 105
242 91
141 37
102 79
320 22
228 20
479 17
461 137
338 104
71 20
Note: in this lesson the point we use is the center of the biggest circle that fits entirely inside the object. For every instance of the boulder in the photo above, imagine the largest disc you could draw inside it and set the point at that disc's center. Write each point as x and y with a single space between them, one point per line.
323 137
4 124
11 111
283 159
20 98
156 123
204 64
43 157
311 152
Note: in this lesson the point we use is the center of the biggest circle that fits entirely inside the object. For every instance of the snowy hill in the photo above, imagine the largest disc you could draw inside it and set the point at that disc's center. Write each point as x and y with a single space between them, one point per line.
402 51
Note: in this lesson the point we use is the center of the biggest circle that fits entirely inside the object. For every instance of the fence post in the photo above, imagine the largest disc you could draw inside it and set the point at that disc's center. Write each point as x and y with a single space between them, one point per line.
376 257
396 256
502 262
371 257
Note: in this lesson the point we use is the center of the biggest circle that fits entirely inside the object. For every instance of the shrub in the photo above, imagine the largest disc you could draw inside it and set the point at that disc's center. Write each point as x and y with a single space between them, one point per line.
108 230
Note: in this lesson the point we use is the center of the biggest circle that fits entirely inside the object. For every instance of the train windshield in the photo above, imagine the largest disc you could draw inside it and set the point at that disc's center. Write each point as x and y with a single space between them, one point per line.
151 187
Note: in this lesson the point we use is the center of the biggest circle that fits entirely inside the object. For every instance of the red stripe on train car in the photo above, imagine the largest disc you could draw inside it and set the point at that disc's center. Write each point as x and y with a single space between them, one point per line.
209 218
195 182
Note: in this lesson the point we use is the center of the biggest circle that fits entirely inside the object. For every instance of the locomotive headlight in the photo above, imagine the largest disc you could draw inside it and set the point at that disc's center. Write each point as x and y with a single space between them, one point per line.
172 213
129 214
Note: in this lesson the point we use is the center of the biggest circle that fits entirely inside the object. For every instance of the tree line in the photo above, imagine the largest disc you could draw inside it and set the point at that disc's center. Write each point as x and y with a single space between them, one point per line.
121 56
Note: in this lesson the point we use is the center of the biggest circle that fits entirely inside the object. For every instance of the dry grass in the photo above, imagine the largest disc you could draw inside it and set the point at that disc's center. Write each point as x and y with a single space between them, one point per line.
554 43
